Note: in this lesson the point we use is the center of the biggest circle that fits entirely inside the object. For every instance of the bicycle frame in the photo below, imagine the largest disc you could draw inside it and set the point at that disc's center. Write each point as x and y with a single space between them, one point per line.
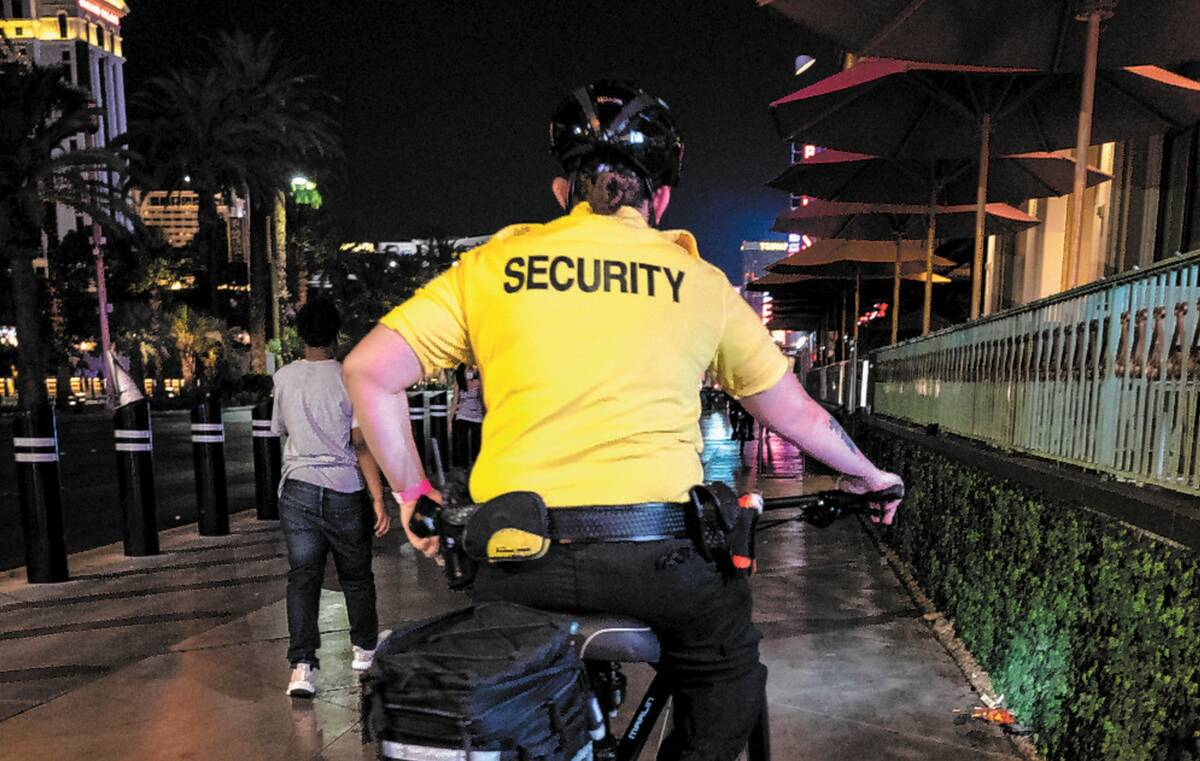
654 701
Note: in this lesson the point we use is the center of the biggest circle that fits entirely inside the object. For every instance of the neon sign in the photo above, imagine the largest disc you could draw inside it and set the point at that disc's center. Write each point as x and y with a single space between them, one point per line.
106 12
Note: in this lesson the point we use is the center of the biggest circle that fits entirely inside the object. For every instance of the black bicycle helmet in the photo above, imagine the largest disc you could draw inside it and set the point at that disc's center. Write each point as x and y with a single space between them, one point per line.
619 120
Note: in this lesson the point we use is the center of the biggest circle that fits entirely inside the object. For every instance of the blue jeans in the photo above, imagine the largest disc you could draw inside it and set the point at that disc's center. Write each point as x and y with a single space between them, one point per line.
316 520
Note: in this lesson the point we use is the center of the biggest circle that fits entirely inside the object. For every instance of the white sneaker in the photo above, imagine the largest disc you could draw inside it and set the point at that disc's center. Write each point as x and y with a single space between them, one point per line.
364 658
302 684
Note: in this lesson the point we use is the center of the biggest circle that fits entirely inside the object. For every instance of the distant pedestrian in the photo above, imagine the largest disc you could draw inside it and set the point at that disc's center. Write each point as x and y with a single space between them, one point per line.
466 412
322 504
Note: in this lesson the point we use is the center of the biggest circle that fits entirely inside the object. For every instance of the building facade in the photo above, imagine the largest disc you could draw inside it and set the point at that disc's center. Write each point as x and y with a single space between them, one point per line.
85 37
176 213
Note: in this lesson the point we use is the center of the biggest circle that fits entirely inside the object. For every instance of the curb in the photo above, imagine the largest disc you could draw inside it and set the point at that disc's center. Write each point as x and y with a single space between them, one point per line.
943 631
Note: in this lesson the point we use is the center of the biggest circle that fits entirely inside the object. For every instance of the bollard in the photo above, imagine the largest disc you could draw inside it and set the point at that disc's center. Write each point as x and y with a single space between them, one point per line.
208 457
439 429
135 478
268 461
35 448
416 414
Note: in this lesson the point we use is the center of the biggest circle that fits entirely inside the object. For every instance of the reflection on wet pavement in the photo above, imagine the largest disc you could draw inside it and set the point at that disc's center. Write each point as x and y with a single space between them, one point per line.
183 655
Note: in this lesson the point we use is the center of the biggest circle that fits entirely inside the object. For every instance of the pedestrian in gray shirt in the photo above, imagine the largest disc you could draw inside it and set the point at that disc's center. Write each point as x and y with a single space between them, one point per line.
323 506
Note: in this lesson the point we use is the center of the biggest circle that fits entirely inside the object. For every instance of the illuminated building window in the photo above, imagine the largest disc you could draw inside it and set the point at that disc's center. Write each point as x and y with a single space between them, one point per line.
62 25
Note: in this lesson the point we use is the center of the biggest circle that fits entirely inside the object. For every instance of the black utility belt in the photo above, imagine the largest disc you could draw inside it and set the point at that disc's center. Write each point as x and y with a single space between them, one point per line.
518 525
643 522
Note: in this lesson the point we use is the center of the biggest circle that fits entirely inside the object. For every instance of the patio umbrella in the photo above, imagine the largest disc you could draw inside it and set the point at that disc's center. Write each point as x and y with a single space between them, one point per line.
857 177
889 221
876 222
902 109
1041 34
857 259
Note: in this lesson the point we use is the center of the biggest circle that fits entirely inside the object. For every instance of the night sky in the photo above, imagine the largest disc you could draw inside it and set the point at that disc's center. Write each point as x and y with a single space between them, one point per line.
445 105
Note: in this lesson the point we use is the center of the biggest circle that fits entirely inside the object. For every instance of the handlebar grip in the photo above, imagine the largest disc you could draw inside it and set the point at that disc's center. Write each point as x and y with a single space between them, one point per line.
890 494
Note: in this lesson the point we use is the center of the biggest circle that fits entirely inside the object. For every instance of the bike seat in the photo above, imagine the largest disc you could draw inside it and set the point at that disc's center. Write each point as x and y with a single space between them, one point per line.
605 637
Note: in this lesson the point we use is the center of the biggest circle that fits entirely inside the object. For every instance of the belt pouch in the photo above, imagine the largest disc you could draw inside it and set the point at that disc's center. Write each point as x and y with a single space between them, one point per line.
512 526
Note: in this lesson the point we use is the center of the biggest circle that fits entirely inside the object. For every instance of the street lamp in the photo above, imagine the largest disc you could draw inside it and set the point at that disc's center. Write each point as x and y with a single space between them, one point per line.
804 63
305 193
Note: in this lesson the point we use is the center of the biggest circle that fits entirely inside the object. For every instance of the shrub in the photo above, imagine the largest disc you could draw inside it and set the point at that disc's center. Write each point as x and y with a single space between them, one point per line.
1090 628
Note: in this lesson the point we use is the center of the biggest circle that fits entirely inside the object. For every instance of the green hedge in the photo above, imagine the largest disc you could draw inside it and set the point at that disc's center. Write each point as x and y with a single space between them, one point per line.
1089 628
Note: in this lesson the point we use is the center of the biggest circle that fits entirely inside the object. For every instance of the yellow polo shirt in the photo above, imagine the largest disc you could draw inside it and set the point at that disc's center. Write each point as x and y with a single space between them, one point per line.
592 334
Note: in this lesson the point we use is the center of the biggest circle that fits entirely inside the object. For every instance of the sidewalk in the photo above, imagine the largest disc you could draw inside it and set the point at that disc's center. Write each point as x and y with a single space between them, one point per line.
182 656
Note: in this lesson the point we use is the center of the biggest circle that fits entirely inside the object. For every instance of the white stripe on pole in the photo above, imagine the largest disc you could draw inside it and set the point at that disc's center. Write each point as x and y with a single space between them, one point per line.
134 447
36 457
23 441
208 427
262 423
208 439
131 433
267 434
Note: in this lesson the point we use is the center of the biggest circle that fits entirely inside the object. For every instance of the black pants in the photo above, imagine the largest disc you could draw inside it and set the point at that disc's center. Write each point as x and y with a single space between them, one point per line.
316 521
466 437
702 618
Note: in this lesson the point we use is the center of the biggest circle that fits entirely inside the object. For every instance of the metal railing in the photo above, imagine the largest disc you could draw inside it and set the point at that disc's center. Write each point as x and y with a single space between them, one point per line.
1105 376
837 384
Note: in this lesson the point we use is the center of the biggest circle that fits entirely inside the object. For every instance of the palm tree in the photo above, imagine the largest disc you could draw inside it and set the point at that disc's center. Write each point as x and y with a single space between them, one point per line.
197 337
283 125
182 136
39 112
244 124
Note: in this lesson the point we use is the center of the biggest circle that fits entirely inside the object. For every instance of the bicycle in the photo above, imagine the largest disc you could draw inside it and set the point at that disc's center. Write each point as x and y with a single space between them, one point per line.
604 642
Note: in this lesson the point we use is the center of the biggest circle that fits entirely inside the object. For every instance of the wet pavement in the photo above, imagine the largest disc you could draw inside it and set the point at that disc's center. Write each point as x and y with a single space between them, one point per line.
182 656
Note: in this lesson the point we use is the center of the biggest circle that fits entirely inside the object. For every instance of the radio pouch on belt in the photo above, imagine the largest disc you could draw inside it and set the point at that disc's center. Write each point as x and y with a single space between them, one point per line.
512 526
711 515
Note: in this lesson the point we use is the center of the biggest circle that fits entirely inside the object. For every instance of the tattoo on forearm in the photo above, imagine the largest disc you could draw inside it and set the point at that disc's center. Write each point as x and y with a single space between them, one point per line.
833 425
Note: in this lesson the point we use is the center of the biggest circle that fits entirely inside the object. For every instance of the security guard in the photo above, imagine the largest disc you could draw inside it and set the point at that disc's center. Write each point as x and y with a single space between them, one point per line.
591 333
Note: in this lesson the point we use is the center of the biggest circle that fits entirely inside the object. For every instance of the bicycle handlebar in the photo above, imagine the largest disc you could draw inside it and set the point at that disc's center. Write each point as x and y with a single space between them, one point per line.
847 500
824 507
821 508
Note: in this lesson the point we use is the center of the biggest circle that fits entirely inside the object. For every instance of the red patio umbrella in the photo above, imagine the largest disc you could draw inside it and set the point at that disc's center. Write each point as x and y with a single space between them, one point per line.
856 221
857 177
1040 34
883 221
902 109
860 257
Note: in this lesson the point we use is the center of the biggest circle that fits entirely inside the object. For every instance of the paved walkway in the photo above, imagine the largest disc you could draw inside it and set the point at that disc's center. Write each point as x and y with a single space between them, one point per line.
182 656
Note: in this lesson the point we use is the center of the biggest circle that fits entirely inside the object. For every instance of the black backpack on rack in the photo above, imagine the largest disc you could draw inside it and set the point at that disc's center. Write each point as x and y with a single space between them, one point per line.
494 682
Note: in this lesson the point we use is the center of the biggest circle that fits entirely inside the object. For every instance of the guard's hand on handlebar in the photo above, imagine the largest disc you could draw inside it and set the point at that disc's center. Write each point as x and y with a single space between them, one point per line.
427 546
878 480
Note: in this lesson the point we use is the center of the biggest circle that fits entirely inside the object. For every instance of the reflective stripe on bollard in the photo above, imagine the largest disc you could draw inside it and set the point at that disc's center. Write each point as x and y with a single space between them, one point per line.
268 462
35 450
416 415
208 458
439 428
135 478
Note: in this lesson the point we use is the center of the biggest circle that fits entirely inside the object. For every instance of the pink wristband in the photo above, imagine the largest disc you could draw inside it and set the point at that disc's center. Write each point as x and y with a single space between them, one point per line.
416 491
